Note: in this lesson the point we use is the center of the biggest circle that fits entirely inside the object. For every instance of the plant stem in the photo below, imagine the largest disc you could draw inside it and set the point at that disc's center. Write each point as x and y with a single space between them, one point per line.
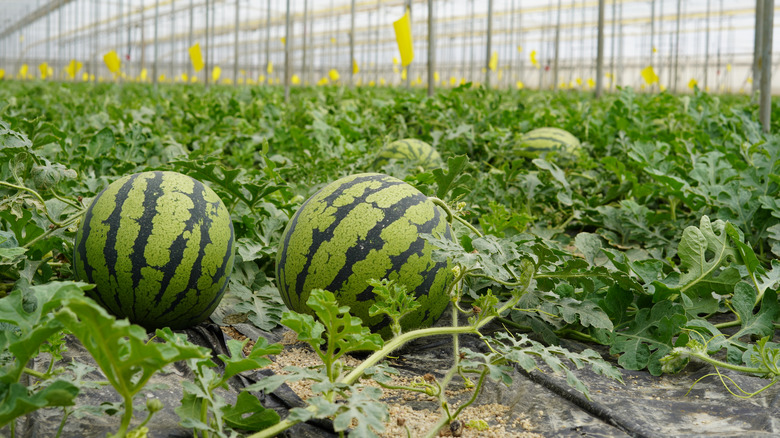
739 368
50 231
37 196
726 324
451 215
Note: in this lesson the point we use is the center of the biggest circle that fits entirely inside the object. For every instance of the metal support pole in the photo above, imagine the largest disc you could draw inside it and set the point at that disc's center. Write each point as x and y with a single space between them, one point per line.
156 47
207 63
376 46
173 41
431 49
287 44
268 39
235 45
352 44
618 78
707 49
765 107
557 46
600 52
489 43
48 39
408 68
304 71
471 45
652 30
757 44
677 46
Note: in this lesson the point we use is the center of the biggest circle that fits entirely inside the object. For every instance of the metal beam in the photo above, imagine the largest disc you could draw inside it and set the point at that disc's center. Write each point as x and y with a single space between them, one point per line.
765 105
600 52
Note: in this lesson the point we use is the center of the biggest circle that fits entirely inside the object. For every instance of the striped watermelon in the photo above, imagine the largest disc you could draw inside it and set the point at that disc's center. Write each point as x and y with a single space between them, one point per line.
361 227
409 150
542 141
159 248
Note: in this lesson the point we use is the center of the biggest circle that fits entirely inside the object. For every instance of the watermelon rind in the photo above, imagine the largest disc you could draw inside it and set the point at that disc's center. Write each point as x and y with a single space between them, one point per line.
542 141
159 248
411 151
361 227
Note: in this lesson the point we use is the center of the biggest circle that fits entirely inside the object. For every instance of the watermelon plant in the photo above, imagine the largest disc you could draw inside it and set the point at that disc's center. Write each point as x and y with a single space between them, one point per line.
659 244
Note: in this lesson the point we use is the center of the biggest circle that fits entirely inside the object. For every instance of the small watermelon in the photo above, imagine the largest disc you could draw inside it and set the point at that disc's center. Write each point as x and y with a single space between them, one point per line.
542 141
410 150
361 227
159 248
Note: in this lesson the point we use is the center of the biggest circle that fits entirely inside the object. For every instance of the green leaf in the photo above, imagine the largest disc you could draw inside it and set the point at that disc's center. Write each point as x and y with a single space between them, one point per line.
589 245
236 363
362 405
18 400
344 331
454 180
648 337
121 349
249 414
702 250
101 143
392 300
760 323
588 313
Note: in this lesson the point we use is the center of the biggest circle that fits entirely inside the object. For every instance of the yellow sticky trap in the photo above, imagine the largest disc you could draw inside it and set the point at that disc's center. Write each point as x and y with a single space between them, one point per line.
648 74
85 77
2 73
519 49
323 81
184 77
655 50
453 81
227 81
662 87
462 81
532 56
283 40
395 60
403 36
579 82
484 70
242 72
161 78
359 82
196 57
355 67
395 69
520 85
371 83
250 81
295 80
591 83
144 73
111 59
728 67
692 83
44 69
493 64
334 75
270 69
193 79
382 81
403 74
749 80
216 72
436 76
500 74
240 81
23 71
261 79
73 68
333 40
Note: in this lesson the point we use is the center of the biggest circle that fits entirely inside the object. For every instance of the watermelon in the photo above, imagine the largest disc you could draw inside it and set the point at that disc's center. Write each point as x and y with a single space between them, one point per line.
360 227
410 150
159 248
542 141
